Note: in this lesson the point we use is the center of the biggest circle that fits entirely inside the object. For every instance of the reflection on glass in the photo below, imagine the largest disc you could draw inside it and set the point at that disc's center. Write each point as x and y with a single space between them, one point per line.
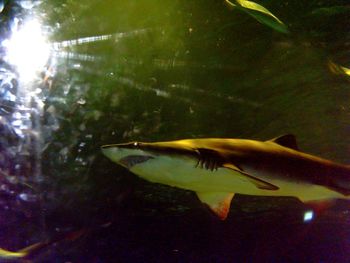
27 49
308 216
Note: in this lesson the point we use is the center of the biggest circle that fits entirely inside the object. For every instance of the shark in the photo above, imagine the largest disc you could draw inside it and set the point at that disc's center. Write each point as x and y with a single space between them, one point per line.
218 168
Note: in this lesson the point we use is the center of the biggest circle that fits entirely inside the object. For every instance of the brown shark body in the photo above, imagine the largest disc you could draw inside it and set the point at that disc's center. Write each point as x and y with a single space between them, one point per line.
216 169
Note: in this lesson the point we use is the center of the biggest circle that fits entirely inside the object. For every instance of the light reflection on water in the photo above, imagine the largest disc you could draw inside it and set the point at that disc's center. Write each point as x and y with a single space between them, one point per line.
30 64
27 49
28 53
93 39
24 55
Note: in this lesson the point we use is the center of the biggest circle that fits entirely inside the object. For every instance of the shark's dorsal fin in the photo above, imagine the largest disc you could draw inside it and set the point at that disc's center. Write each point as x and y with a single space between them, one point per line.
287 140
261 184
218 202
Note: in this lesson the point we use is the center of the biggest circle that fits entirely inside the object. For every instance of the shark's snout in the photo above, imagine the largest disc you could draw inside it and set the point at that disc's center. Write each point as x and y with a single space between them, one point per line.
113 153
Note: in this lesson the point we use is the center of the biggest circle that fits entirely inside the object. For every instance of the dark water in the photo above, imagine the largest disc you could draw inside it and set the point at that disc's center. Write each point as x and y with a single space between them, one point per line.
148 70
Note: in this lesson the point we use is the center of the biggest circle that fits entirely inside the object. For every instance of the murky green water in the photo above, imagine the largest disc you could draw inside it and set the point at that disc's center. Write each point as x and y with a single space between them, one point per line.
118 71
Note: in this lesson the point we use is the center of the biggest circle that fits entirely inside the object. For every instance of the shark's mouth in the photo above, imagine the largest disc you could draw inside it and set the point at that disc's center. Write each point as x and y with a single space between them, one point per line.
131 160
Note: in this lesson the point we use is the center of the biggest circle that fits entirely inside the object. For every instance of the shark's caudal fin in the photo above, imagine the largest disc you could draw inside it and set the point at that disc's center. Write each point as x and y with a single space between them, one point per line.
26 252
341 186
219 202
16 255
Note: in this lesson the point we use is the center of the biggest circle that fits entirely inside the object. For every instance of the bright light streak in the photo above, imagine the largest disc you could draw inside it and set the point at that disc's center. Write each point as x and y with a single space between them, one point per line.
308 216
28 50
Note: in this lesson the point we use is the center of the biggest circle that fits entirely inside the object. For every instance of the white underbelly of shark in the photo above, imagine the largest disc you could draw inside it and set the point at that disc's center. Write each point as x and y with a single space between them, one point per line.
183 173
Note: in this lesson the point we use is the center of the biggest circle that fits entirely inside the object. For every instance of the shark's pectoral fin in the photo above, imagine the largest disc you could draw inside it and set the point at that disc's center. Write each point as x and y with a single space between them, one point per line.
211 159
261 184
218 202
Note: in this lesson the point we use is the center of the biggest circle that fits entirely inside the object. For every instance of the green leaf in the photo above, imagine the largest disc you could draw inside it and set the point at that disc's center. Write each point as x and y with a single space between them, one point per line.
230 4
260 13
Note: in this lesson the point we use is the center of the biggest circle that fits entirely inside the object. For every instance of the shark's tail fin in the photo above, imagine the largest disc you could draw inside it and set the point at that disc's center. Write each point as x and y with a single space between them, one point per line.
343 191
27 252
340 182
